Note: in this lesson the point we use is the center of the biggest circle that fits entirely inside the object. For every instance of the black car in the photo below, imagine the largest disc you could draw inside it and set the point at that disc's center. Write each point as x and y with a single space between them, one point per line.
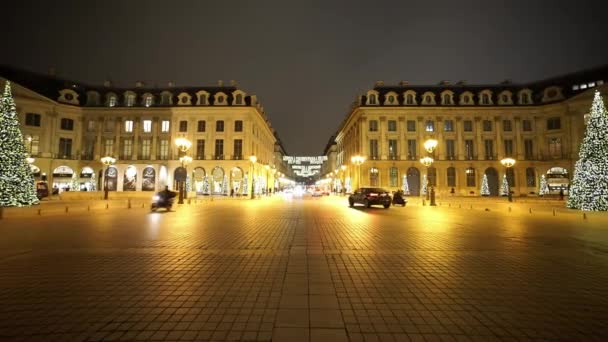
369 197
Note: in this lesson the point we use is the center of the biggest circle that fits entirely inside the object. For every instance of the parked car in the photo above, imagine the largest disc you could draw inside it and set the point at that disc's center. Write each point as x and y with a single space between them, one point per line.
369 197
42 190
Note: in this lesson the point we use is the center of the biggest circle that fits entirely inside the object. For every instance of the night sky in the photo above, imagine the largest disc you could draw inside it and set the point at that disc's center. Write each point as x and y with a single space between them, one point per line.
307 60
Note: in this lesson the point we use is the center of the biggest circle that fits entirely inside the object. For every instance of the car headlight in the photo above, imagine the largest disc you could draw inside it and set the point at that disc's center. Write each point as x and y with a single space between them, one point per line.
155 198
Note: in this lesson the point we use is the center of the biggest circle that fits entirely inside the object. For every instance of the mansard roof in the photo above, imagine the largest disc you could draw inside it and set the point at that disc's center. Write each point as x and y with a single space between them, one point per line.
50 87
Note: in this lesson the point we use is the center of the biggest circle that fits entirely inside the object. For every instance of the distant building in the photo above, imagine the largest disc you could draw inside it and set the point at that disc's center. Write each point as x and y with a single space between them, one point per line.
539 124
68 127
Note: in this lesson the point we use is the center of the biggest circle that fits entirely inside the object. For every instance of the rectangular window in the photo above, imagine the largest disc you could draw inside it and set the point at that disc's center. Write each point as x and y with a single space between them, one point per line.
200 148
65 148
32 144
67 124
554 123
467 125
468 149
450 151
89 148
108 147
527 125
411 126
147 126
373 149
430 126
109 126
489 148
164 126
219 126
238 126
555 147
392 149
506 126
238 149
448 125
470 173
508 148
529 149
373 125
201 125
392 126
487 125
411 149
32 119
219 148
183 126
127 149
91 126
146 145
129 126
451 173
163 151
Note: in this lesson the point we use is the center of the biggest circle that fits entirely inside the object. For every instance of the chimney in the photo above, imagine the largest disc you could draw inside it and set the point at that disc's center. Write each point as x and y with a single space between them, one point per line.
107 83
403 83
444 82
233 83
170 84
139 84
379 84
461 82
52 71
507 81
220 83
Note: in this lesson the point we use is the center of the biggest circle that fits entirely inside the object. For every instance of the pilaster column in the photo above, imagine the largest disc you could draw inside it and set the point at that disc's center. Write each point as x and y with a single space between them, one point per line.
402 144
382 143
500 152
478 141
519 141
459 140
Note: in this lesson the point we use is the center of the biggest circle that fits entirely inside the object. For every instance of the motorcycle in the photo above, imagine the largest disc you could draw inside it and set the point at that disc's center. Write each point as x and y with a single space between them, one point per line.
399 199
159 201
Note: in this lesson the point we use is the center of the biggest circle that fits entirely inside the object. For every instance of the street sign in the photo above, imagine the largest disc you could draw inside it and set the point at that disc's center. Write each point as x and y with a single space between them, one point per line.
180 174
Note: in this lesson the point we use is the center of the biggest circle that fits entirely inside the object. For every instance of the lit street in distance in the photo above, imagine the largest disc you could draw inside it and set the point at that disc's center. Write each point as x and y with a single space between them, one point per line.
305 269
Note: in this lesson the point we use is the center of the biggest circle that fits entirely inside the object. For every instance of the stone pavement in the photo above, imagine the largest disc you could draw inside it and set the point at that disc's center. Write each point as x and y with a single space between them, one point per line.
311 269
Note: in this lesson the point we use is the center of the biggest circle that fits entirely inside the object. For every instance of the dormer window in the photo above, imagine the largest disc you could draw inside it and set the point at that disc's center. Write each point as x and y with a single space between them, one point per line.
165 98
130 100
238 99
505 98
409 99
427 99
220 99
525 98
148 101
372 99
202 100
485 99
112 101
446 99
466 99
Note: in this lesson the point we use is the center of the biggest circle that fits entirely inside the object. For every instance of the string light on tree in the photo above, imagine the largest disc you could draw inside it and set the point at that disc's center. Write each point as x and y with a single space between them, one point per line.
405 187
544 187
485 189
504 189
589 188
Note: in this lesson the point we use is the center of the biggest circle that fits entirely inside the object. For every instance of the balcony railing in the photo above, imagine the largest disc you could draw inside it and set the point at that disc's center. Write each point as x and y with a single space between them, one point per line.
218 157
237 157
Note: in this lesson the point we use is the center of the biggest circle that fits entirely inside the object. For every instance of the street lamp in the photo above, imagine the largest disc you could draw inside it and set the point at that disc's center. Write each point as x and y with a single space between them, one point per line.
358 160
507 163
185 160
252 159
267 167
107 161
428 161
429 146
183 145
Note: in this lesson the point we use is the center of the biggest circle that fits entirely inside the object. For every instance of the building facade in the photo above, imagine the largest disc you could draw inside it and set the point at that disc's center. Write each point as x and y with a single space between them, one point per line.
539 124
69 127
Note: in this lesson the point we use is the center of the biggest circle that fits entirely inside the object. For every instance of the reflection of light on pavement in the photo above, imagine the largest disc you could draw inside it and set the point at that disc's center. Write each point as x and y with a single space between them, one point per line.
153 225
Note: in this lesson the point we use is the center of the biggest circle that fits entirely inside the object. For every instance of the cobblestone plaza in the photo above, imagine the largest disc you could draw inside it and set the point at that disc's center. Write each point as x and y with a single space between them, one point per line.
304 269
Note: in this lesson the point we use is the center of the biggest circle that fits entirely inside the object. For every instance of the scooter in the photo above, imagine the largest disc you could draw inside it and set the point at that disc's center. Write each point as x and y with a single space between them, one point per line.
160 202
399 199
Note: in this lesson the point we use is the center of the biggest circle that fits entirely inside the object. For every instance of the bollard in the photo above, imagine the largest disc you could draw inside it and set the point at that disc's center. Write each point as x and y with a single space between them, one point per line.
39 212
107 206
88 208
530 210
129 203
449 205
66 209
188 201
584 216
142 205
553 212
509 209
471 206
423 203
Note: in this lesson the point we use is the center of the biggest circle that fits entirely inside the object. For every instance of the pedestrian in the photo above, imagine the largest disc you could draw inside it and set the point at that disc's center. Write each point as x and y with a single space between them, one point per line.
561 194
232 192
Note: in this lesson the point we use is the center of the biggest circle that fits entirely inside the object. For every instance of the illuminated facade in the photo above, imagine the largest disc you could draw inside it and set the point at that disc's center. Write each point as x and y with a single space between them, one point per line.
539 124
68 127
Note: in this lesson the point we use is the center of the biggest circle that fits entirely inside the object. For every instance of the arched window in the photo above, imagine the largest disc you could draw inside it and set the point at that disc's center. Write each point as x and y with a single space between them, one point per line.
485 99
470 172
446 99
372 99
112 101
466 99
511 176
391 99
530 177
427 99
451 173
148 101
394 177
373 176
410 99
239 99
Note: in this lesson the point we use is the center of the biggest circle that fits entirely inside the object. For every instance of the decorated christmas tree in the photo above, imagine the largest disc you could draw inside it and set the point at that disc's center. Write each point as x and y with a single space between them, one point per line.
188 184
244 187
225 190
16 177
485 189
93 182
423 190
405 187
544 188
74 184
589 187
206 186
504 188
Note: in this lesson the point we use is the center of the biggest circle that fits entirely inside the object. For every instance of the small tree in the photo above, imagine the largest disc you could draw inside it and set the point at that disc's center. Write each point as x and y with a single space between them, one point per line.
74 184
504 189
93 182
206 185
225 190
544 187
589 188
485 189
405 187
244 187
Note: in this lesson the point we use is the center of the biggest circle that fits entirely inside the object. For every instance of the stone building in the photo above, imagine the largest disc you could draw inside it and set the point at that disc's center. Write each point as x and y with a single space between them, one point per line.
69 126
539 124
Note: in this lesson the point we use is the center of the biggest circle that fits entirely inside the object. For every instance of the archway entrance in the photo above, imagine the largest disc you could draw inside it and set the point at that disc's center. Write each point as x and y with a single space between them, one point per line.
413 181
492 175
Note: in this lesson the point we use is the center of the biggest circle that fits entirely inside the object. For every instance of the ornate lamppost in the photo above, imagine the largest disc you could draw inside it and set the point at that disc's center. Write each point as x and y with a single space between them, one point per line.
107 161
507 163
429 146
252 159
185 160
428 161
183 145
358 160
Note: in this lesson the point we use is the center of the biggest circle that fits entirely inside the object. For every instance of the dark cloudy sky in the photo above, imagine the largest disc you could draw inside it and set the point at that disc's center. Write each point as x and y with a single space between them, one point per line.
306 60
